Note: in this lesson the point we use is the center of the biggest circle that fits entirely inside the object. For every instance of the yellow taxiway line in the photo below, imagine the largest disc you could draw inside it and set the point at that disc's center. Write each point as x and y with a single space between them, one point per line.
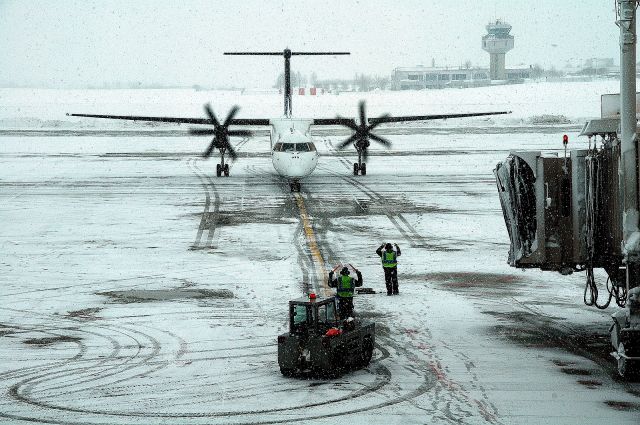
321 268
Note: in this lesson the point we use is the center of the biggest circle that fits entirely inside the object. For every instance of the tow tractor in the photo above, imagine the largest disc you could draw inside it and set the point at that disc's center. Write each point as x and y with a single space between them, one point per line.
317 342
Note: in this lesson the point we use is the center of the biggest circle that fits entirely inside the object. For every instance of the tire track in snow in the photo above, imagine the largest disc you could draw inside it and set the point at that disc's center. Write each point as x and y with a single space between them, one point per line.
208 219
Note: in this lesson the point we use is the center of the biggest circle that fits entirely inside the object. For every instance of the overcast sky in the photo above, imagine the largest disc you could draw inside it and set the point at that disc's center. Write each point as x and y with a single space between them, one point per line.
78 43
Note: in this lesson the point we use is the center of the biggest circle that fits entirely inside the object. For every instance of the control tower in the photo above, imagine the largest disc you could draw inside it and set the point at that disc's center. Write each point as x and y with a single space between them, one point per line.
497 42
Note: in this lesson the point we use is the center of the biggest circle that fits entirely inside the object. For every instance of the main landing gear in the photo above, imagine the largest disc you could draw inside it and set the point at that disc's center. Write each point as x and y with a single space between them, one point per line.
222 168
360 167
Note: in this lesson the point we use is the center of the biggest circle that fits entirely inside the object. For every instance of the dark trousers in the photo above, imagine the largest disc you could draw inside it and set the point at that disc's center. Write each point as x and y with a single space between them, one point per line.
345 307
391 279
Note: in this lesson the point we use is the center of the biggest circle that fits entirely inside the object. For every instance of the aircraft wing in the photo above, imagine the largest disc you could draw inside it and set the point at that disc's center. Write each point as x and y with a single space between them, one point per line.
205 121
387 119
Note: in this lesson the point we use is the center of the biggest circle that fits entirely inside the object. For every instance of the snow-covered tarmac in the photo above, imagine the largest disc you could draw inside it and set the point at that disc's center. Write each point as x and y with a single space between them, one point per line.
135 287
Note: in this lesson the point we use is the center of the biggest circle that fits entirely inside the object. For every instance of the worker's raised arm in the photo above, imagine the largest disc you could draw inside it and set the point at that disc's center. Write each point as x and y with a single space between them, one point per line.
331 282
379 250
359 280
397 249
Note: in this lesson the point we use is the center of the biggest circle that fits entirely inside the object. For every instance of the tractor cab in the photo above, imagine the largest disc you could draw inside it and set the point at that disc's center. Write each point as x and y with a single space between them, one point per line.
312 315
319 343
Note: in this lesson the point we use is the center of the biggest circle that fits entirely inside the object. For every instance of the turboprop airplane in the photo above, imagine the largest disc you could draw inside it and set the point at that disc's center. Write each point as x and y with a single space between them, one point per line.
293 153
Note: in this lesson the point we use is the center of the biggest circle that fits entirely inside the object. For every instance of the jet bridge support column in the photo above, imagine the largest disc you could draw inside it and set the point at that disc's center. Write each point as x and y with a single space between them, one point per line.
629 152
625 332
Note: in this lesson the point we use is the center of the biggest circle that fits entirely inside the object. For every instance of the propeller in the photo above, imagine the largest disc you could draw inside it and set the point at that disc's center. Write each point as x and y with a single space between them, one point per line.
220 132
363 134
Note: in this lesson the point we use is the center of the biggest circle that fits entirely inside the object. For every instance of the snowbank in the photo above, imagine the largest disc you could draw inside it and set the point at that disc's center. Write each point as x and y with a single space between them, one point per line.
44 108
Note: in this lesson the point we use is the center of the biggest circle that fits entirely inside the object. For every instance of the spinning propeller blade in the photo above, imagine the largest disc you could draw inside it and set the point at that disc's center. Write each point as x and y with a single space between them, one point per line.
220 132
363 133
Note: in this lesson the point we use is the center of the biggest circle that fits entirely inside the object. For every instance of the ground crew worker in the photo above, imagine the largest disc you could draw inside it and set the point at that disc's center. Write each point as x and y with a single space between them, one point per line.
345 286
390 265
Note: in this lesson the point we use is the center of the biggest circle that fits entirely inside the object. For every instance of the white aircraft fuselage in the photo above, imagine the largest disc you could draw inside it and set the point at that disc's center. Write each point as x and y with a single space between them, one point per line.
293 153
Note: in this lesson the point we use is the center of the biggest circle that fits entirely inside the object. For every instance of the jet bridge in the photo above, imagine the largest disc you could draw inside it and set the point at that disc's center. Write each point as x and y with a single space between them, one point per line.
580 211
563 213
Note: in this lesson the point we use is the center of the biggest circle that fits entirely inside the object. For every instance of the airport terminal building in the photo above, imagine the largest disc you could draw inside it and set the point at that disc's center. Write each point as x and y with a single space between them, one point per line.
420 77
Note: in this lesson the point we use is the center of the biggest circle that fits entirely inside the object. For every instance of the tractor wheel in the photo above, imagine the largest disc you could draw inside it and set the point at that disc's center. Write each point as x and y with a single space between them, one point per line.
367 353
226 170
628 369
337 366
355 169
218 170
287 372
363 169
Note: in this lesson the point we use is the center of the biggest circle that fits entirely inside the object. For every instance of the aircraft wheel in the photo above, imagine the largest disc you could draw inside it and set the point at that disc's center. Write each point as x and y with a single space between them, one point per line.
355 169
363 169
226 170
218 170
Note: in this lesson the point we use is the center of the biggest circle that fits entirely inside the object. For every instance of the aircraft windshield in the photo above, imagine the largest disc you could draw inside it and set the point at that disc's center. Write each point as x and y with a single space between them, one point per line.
303 147
288 147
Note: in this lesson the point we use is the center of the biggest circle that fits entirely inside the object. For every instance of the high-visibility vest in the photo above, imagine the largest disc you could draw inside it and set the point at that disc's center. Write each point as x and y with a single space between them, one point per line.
345 286
389 259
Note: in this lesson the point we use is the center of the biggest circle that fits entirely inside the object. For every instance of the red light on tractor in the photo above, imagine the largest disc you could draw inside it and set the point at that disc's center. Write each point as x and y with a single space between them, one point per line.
565 139
312 296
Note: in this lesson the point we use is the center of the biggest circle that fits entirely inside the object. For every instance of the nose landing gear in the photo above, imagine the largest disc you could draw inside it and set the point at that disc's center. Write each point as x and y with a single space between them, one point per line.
295 186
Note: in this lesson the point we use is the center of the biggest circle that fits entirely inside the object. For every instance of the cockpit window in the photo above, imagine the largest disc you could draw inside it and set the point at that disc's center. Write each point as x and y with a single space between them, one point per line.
302 147
288 147
277 147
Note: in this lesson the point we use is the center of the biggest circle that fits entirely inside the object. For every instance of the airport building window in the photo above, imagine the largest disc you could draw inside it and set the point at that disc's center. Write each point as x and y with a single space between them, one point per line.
443 77
414 77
